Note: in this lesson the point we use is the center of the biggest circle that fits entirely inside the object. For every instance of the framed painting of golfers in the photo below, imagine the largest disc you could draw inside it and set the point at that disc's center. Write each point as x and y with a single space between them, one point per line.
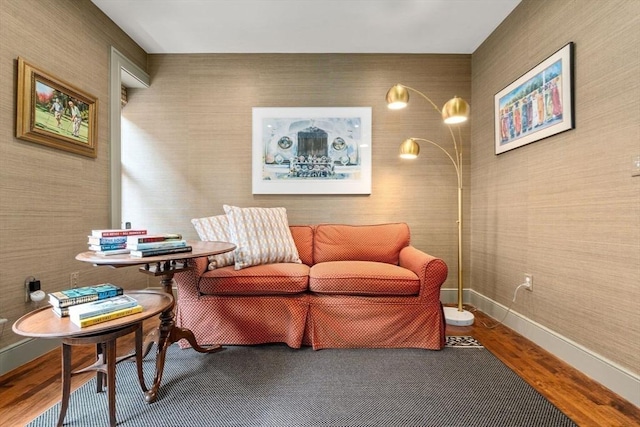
54 113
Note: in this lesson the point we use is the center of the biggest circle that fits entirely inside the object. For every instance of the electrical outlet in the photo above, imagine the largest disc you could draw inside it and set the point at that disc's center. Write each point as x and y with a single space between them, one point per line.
528 279
74 278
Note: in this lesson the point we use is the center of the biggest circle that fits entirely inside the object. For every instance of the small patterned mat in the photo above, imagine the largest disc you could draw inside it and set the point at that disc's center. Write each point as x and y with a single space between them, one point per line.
463 342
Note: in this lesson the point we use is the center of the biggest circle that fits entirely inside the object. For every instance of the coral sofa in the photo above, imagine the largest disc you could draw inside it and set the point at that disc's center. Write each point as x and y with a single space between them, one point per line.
356 286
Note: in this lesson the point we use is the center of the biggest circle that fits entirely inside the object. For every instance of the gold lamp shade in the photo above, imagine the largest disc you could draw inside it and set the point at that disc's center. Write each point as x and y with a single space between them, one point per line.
397 97
456 110
409 149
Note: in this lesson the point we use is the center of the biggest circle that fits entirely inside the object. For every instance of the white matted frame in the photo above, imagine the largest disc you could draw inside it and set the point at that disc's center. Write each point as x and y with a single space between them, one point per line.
312 150
537 105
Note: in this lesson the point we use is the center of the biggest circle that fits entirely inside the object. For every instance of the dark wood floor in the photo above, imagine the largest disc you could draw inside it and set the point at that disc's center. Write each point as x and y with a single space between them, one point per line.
31 389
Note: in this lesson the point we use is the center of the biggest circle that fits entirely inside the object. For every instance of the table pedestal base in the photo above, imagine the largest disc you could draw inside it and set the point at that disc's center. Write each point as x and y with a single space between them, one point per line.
167 332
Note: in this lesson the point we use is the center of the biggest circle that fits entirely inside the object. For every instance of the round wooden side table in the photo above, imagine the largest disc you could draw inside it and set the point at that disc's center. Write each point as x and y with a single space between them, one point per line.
44 323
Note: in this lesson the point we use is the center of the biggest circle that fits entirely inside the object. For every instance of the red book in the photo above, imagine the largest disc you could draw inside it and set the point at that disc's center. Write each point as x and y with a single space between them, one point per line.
118 232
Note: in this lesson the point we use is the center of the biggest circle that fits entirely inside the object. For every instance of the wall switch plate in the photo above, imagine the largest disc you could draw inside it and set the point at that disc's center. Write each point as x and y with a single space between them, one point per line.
74 279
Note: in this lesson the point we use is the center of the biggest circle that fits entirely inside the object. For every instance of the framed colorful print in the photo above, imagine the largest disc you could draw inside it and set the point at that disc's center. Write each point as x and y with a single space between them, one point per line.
537 105
54 113
312 150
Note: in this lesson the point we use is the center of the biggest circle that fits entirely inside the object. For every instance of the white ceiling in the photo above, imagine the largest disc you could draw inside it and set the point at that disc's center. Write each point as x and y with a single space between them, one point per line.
308 26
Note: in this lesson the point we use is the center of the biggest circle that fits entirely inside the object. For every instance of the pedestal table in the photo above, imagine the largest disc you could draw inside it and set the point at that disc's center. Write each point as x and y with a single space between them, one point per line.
165 266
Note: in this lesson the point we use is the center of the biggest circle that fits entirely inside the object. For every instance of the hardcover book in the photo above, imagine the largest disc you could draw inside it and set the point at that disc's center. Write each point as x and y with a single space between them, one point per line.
107 247
149 238
113 252
156 252
89 321
106 240
61 311
75 296
117 232
157 245
103 306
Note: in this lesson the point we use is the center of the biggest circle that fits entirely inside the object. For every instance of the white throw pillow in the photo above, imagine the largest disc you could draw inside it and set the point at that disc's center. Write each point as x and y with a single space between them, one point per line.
215 229
261 236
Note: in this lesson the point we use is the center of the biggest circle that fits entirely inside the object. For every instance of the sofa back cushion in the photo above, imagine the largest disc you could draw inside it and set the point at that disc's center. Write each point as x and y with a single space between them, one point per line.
303 238
381 242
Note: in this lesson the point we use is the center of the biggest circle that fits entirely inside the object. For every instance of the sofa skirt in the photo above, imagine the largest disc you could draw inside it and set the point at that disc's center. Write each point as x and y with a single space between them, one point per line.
321 322
243 320
375 322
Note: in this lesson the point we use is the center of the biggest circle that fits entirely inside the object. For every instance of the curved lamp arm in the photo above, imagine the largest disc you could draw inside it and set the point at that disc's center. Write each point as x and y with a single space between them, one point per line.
425 97
458 149
455 163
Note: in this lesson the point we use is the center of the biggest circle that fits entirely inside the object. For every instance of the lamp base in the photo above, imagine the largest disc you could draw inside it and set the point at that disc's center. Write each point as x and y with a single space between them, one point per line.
458 318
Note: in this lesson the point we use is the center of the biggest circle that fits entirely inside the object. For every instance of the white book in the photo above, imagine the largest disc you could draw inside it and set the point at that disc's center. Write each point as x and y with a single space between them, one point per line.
95 308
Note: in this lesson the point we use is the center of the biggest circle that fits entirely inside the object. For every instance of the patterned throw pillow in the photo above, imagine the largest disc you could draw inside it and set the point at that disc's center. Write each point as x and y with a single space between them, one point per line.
215 229
261 236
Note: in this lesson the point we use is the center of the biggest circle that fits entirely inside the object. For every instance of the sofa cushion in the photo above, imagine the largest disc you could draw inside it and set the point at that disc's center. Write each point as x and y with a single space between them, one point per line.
303 238
362 278
261 236
269 279
381 243
215 229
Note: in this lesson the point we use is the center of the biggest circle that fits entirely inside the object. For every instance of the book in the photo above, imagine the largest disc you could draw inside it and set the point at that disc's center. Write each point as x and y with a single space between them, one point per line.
117 232
106 240
75 296
103 306
113 252
61 311
156 252
89 321
150 238
157 245
107 247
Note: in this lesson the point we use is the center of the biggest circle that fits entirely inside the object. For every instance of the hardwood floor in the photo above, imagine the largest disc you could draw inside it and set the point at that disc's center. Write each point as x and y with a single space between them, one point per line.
34 387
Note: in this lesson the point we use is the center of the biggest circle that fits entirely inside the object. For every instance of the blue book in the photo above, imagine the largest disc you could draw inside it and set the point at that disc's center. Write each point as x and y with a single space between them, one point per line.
75 296
107 247
106 240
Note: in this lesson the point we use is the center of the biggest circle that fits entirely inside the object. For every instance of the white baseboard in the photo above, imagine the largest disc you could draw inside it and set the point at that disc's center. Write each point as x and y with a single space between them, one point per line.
611 375
17 354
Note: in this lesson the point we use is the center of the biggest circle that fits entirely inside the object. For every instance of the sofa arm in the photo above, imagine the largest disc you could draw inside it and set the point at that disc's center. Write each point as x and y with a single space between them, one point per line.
432 271
187 281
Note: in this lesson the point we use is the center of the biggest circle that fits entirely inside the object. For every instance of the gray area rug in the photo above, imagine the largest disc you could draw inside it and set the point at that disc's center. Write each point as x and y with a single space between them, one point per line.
274 385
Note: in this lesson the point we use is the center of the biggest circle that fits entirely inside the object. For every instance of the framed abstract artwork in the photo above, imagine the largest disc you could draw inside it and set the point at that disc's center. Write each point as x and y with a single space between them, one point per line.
54 113
537 105
311 150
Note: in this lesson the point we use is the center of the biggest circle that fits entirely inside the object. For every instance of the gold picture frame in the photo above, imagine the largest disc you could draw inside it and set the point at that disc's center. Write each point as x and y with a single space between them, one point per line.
55 113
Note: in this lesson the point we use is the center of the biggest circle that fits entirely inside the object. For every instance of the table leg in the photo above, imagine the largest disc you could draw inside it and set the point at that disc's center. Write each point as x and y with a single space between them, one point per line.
100 376
152 338
111 380
66 382
139 356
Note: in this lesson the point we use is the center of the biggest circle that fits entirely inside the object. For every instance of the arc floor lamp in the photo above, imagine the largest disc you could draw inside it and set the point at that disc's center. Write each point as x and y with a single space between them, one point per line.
455 111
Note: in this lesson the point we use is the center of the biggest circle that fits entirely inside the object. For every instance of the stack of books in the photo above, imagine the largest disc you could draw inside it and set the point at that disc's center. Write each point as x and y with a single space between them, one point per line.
112 242
92 313
90 305
156 244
